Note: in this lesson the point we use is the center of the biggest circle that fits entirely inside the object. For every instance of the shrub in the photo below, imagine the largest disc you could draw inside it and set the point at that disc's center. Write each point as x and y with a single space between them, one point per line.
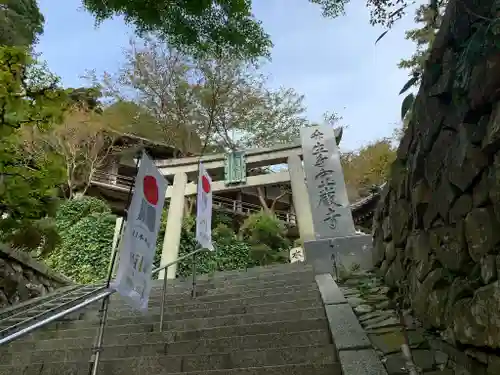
266 235
86 228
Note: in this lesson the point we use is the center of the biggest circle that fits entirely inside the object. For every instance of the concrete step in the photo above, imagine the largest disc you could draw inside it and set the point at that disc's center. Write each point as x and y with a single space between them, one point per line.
275 269
242 280
84 328
176 300
186 299
138 359
220 345
204 292
77 369
146 350
263 307
285 326
154 318
237 302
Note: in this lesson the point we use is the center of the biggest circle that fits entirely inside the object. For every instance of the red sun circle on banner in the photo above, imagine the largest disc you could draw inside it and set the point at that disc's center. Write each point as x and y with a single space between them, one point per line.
150 189
205 184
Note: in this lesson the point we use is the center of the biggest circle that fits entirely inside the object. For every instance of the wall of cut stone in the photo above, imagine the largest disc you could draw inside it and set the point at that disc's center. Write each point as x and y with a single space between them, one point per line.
437 226
23 278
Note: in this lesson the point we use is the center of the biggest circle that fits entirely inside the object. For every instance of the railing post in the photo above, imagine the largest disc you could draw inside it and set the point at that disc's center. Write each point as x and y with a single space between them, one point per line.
193 292
163 301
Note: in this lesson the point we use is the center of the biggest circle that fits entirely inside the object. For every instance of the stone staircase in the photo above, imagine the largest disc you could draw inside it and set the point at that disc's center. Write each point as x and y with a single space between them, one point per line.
267 320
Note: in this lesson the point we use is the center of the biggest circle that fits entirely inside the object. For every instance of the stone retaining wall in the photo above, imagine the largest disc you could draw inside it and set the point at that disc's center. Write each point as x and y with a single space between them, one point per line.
23 278
437 226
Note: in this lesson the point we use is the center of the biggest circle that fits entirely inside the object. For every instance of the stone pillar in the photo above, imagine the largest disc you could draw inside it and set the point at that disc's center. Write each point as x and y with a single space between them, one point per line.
300 198
171 241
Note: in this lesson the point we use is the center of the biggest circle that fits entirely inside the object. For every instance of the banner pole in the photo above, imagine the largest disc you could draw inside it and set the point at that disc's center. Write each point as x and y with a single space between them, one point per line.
103 312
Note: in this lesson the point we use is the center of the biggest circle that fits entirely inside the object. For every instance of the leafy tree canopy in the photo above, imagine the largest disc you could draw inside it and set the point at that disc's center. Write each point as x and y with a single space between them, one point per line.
30 100
20 22
367 167
208 26
221 100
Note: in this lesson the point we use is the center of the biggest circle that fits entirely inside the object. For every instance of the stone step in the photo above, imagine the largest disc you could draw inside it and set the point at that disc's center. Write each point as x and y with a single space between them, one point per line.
272 274
84 328
137 318
218 345
145 360
213 284
242 280
284 326
250 272
239 305
146 350
194 304
289 369
202 291
221 294
118 304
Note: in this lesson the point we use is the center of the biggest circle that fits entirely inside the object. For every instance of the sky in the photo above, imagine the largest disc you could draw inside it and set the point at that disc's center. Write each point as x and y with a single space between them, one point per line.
335 63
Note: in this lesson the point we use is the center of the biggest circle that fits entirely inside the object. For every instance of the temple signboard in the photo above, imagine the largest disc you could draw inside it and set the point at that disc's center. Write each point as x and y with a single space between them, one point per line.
330 207
235 168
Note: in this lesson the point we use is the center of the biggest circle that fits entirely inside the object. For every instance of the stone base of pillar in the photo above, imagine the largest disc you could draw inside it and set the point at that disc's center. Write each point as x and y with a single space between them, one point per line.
349 251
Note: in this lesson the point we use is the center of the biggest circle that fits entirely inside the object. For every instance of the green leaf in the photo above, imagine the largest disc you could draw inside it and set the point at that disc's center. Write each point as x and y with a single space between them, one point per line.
410 83
381 36
407 104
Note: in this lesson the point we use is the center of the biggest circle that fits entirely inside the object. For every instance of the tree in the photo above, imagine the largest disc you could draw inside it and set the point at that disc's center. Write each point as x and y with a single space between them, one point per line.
200 27
222 100
269 208
423 37
382 12
20 22
82 143
28 183
367 167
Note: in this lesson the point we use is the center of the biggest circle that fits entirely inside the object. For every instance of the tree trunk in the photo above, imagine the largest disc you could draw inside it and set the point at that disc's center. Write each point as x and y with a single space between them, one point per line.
262 199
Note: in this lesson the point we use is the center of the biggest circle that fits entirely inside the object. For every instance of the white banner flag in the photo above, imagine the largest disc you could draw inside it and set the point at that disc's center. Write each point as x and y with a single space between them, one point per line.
138 244
204 210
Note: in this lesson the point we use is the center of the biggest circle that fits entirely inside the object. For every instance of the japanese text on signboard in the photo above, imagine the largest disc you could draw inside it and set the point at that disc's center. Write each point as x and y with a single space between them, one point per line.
325 180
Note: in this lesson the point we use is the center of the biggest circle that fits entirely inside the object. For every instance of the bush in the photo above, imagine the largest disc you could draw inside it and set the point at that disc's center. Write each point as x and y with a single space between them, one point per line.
230 253
86 227
72 211
266 235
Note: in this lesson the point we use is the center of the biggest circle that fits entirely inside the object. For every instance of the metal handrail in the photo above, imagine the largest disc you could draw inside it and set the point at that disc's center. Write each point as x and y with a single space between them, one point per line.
49 301
21 323
103 294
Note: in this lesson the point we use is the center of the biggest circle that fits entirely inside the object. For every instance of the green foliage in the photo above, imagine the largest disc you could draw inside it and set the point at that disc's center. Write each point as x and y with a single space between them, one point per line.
263 227
41 105
228 97
210 26
230 254
429 16
20 22
71 212
266 235
86 227
368 166
29 180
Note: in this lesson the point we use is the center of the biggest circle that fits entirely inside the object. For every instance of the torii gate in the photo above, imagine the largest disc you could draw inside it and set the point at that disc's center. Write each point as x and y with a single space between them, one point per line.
185 169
